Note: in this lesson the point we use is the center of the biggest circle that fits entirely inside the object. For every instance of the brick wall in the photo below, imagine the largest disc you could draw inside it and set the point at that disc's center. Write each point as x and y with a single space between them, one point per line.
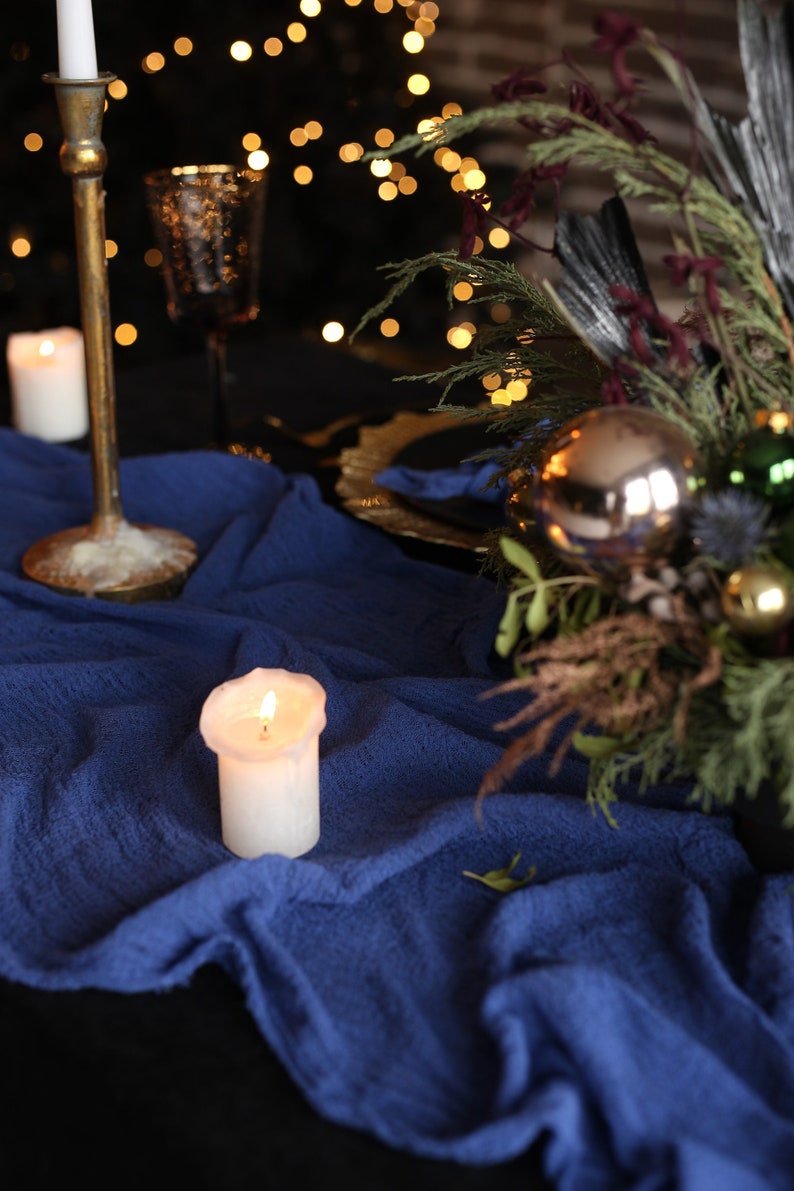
478 42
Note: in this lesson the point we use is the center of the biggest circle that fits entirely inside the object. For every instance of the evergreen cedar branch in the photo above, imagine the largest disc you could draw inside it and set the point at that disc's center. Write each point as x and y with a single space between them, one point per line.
683 697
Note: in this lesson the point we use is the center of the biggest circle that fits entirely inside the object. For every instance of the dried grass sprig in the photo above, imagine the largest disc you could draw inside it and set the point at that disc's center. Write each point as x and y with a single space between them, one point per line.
624 676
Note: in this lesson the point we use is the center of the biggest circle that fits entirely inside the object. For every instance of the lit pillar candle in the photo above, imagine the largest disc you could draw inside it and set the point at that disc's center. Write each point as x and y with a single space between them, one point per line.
49 396
265 729
76 45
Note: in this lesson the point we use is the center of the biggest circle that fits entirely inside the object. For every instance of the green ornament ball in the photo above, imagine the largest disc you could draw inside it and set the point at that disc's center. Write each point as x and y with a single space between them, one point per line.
763 463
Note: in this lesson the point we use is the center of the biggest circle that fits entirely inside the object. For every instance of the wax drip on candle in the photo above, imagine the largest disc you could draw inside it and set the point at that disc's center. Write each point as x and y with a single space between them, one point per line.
267 710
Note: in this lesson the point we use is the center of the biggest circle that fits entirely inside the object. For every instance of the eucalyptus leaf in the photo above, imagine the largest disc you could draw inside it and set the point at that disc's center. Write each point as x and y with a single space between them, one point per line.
537 617
509 627
592 606
521 558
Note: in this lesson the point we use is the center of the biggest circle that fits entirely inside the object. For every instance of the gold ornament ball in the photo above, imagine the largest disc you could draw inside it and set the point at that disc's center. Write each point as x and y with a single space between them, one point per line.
614 491
756 601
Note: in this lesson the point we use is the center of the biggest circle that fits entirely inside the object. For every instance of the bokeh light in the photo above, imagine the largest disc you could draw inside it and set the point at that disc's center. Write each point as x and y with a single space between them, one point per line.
474 179
333 332
152 63
499 237
409 25
20 246
501 312
459 337
125 334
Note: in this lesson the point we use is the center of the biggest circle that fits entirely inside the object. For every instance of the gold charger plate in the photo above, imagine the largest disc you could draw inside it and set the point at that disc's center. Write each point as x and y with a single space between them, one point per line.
377 448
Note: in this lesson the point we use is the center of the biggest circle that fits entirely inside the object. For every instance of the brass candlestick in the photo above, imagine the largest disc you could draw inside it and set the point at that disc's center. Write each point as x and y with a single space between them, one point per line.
110 557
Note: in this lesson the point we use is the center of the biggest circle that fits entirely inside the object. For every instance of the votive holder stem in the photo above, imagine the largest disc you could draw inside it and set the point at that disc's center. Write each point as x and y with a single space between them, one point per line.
81 105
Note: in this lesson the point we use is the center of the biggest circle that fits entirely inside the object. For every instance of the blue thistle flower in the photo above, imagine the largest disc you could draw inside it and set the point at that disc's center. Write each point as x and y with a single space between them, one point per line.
729 525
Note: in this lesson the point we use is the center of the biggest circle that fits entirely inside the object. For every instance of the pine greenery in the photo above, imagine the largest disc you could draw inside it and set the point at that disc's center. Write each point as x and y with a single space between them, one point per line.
739 728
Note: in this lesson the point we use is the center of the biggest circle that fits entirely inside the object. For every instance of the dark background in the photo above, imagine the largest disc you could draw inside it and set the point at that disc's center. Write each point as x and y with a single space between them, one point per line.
324 242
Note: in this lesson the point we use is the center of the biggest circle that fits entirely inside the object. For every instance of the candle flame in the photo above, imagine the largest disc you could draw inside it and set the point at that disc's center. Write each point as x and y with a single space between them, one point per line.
268 708
46 347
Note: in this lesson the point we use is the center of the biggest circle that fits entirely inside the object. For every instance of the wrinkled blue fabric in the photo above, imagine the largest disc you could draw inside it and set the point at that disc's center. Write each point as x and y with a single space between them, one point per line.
469 478
633 1004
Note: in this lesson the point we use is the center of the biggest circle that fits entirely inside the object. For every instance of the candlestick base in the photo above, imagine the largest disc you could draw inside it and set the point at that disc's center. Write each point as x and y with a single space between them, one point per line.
123 562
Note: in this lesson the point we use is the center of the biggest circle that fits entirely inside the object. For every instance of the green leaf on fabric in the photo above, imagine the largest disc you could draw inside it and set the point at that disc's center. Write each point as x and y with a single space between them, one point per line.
500 879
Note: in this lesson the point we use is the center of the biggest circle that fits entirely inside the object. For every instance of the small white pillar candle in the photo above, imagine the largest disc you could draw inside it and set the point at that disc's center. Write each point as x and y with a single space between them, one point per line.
49 396
265 729
76 44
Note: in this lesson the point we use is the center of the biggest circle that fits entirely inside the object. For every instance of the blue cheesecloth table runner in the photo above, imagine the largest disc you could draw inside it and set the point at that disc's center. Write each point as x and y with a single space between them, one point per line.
634 1003
470 479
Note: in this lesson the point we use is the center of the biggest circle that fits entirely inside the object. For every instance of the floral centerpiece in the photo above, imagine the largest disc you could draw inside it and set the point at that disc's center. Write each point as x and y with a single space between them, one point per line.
650 542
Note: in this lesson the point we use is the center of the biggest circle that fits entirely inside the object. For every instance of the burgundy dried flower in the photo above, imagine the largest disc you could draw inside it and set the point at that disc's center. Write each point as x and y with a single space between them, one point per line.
475 222
684 267
644 316
517 85
636 132
522 199
616 33
516 209
613 391
584 100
